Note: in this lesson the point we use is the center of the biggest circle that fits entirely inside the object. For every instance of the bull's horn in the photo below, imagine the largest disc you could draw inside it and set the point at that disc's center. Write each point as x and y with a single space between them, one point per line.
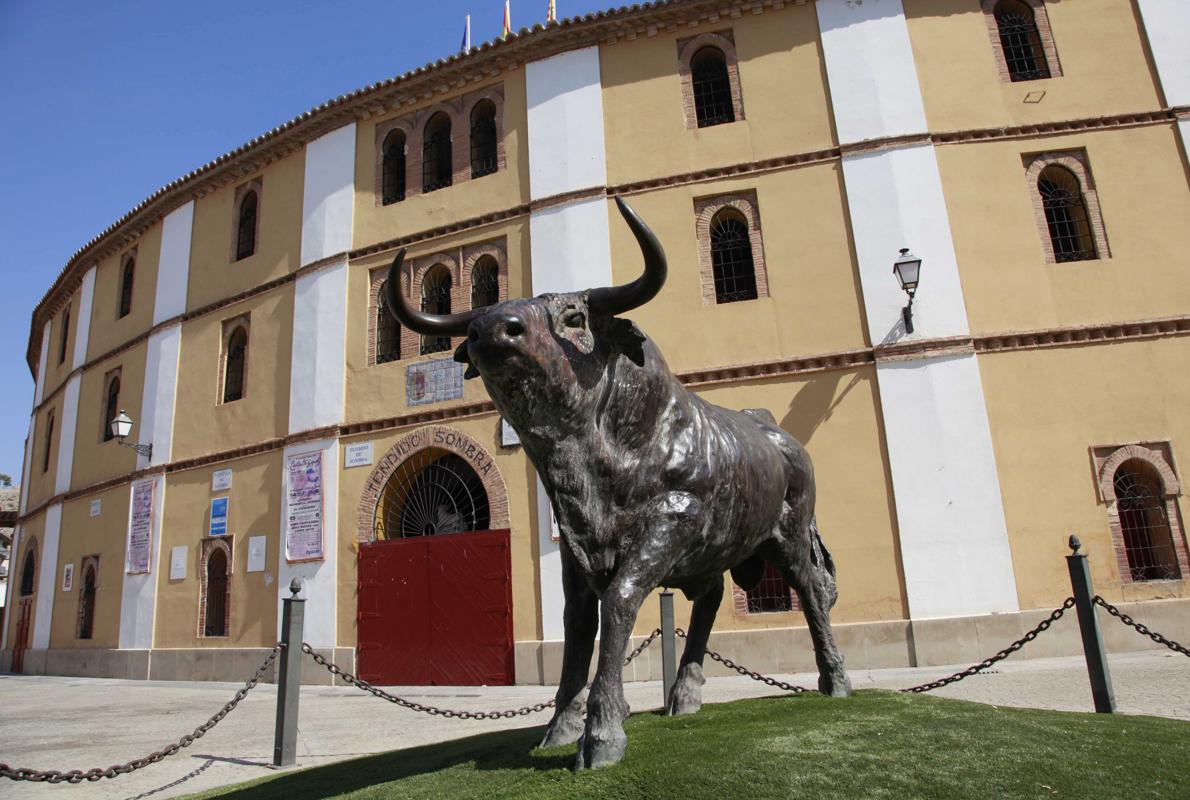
618 299
420 321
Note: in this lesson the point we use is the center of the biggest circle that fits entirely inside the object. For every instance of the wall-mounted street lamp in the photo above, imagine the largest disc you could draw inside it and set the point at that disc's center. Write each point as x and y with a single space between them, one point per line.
907 268
121 427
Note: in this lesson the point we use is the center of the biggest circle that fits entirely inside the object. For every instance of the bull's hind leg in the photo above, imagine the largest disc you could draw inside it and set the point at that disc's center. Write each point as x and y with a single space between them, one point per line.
686 695
805 563
580 620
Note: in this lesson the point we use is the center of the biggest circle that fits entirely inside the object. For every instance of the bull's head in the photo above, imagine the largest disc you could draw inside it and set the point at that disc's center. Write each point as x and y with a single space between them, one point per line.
553 351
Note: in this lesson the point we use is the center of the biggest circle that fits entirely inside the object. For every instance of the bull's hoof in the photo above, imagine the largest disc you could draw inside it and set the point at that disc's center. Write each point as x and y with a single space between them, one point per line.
686 695
565 728
600 749
834 683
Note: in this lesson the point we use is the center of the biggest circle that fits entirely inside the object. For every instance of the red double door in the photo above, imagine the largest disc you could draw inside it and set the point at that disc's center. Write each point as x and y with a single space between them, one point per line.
436 610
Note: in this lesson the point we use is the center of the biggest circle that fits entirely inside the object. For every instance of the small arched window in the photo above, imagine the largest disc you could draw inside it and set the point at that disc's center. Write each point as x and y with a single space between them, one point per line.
1148 540
126 275
712 87
393 169
65 335
235 365
485 282
246 228
29 573
215 623
49 441
1020 41
731 257
111 407
86 624
1066 215
483 139
436 164
435 298
388 331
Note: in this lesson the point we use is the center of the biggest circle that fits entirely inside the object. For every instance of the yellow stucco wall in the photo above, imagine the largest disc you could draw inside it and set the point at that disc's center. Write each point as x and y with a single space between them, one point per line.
95 459
41 482
107 330
1047 408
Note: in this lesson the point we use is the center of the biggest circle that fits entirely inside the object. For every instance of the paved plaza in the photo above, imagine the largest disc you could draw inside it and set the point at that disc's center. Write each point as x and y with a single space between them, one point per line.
63 723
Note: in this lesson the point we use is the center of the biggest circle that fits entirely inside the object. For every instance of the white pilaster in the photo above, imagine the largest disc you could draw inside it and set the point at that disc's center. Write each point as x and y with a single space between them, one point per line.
328 195
68 425
138 600
160 395
569 247
319 578
47 574
950 515
317 375
28 460
173 267
82 331
39 384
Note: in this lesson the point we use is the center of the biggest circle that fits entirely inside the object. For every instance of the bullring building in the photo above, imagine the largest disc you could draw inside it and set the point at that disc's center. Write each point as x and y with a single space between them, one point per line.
1032 154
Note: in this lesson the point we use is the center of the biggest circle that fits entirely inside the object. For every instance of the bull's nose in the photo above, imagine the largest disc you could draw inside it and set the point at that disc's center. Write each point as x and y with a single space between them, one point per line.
502 327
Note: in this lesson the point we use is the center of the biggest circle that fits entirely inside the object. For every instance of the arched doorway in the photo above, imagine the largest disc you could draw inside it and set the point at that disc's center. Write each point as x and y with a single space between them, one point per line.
26 591
435 589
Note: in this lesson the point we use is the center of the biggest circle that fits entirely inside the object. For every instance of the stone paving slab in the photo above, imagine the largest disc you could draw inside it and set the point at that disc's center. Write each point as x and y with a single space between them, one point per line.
63 723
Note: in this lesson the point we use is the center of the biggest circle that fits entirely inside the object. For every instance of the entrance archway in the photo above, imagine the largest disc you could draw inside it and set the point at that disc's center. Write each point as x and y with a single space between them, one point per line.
435 588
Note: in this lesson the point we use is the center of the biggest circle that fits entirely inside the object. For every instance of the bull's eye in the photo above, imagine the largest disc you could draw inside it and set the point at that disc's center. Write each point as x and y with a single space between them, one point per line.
574 319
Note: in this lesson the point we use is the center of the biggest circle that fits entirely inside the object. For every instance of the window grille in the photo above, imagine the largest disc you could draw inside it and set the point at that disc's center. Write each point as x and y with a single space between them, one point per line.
111 407
393 169
485 282
246 232
1066 215
28 573
435 298
1021 41
86 623
483 139
772 594
731 259
65 335
126 288
216 600
1148 541
712 87
49 440
388 331
431 494
233 372
436 166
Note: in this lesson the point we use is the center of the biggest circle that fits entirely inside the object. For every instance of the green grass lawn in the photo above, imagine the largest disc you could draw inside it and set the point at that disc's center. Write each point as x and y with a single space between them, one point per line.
873 745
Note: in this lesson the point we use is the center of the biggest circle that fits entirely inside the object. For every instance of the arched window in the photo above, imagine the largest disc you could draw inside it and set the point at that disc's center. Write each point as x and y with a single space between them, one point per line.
388 331
86 623
29 573
393 169
235 365
1148 540
436 165
1020 41
246 229
126 288
432 493
215 606
435 298
712 87
65 335
483 139
485 282
731 257
1066 215
771 594
49 440
111 407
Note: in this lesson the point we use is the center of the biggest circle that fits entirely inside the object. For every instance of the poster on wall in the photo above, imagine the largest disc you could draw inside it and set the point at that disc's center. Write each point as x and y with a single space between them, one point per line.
303 524
140 529
221 480
177 563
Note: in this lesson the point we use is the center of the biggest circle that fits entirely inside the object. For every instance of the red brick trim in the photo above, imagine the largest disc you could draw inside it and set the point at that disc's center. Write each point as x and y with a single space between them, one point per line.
567 197
104 423
929 348
383 129
438 437
91 561
471 255
705 210
229 327
724 41
254 185
1041 18
1075 161
494 93
206 547
15 575
130 255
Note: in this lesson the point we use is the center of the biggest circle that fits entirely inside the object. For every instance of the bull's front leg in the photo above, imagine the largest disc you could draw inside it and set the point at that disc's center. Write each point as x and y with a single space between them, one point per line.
580 620
686 695
654 545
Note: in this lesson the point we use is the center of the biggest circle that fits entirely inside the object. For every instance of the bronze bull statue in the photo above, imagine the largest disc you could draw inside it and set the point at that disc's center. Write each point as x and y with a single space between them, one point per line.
651 485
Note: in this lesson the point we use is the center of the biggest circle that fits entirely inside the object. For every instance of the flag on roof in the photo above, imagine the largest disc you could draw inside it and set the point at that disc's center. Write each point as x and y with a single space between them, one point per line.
552 14
507 22
466 46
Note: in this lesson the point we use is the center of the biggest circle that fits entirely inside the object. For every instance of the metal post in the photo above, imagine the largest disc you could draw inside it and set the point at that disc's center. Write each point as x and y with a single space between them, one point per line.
289 678
1088 623
669 649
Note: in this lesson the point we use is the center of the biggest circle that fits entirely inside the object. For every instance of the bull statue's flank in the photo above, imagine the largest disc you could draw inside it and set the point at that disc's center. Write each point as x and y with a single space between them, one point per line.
652 486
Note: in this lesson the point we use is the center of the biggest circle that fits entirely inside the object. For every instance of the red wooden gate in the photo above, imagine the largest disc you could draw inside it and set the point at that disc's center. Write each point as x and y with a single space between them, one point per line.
24 620
436 610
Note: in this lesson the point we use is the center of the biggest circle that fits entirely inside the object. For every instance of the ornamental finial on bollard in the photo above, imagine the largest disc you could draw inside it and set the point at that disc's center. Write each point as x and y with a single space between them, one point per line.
295 586
1073 543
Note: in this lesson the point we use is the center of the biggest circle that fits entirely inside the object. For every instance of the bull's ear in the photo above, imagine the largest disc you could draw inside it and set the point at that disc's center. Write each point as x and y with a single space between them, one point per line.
462 357
624 337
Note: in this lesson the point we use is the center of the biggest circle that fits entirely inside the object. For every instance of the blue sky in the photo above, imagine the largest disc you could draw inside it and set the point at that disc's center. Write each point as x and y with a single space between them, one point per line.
104 102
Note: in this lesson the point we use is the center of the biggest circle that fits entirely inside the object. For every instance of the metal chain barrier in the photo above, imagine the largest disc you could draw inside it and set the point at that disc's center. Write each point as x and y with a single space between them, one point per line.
449 713
99 773
974 669
756 676
1139 626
